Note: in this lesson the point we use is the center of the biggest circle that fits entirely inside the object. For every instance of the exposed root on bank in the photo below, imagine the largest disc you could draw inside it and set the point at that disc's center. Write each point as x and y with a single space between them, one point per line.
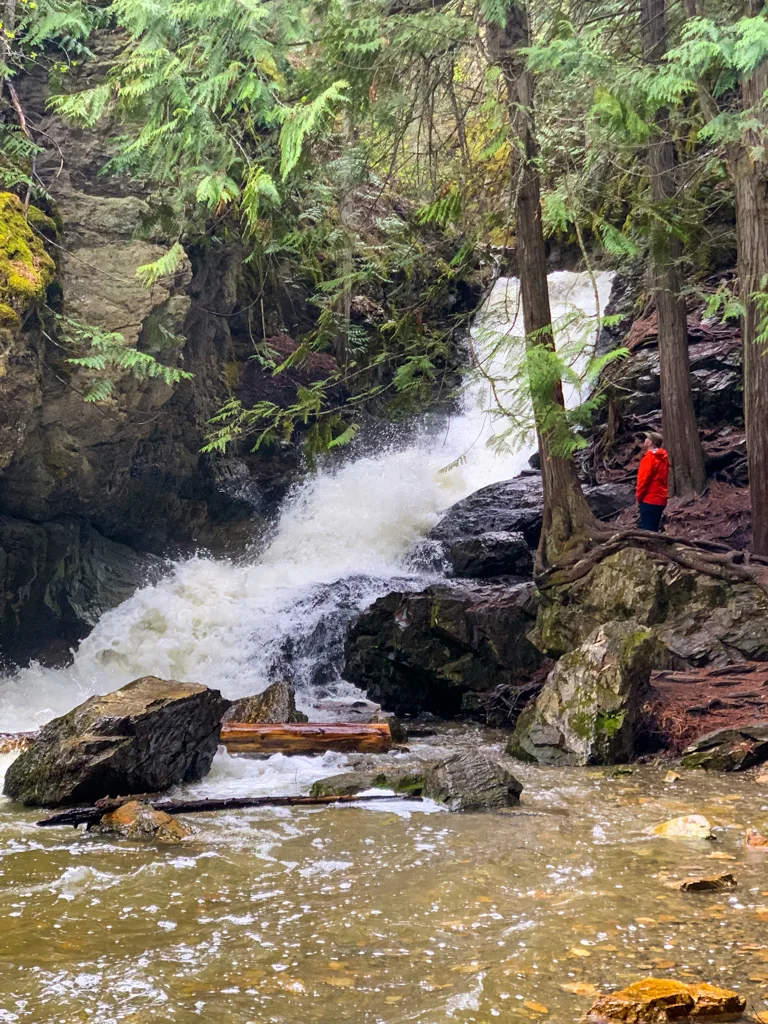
707 557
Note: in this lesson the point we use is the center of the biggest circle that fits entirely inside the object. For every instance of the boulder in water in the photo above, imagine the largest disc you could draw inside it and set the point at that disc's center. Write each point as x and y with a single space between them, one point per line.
471 781
688 826
276 704
407 779
137 820
147 736
657 1000
423 651
589 708
729 750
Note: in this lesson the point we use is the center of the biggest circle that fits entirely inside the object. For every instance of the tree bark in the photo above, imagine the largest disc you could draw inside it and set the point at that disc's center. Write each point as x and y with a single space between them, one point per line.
567 517
305 738
681 436
751 184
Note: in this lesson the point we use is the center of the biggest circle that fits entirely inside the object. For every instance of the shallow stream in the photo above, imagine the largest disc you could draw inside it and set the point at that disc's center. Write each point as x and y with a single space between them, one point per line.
350 914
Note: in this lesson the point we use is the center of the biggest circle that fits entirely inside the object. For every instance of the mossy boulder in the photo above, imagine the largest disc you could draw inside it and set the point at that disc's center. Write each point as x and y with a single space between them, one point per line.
729 750
144 738
589 709
424 651
701 620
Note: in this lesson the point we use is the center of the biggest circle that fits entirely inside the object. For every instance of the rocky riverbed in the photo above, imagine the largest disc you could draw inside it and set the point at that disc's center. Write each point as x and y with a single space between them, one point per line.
399 914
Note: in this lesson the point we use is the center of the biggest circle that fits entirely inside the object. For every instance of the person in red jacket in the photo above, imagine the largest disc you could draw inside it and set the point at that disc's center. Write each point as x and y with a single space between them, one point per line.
652 490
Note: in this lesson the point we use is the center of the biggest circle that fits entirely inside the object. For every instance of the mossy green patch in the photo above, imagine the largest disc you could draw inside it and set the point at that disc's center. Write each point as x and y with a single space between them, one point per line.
26 269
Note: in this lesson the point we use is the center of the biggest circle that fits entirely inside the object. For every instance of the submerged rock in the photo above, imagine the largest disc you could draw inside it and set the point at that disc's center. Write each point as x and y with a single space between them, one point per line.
147 736
713 883
657 1000
589 708
137 820
729 750
701 620
688 826
754 841
415 652
276 704
471 781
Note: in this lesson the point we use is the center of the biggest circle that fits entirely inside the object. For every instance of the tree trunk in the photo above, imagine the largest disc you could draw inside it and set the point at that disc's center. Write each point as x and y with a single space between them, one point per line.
681 436
751 183
305 738
567 517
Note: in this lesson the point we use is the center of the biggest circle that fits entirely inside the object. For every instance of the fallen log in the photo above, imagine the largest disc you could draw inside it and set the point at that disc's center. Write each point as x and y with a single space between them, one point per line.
90 815
306 738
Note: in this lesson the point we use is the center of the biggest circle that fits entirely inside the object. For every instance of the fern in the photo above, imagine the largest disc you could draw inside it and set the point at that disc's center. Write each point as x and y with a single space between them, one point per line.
301 120
165 266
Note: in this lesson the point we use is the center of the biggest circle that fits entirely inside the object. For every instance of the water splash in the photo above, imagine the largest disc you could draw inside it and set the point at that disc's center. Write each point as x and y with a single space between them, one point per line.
236 625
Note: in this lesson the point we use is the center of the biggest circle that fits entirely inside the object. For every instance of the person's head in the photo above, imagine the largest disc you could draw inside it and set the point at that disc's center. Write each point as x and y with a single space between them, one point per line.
653 440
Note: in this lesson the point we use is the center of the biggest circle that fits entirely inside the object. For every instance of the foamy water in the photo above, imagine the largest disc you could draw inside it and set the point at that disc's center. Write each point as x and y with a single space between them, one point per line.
238 625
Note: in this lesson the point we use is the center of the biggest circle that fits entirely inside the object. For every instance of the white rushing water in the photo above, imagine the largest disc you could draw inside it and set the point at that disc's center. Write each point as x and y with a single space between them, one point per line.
236 625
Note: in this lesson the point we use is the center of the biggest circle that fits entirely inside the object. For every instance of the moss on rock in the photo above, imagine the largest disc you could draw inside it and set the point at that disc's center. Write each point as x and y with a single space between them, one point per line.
26 269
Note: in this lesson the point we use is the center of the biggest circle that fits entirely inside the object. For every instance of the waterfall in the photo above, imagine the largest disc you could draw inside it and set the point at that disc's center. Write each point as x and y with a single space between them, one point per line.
340 542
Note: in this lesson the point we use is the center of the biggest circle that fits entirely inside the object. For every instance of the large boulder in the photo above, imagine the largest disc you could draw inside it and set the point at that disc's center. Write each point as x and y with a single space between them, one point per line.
464 781
517 506
491 554
729 750
147 736
424 651
471 781
701 620
276 704
590 706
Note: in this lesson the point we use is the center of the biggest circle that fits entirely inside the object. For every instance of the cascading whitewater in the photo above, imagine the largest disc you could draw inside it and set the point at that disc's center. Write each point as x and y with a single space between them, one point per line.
339 544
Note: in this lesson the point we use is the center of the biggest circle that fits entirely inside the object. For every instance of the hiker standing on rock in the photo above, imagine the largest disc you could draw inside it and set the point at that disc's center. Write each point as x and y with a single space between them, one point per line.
652 491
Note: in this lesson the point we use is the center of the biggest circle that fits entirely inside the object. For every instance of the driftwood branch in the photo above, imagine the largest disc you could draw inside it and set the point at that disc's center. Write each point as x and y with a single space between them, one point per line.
91 815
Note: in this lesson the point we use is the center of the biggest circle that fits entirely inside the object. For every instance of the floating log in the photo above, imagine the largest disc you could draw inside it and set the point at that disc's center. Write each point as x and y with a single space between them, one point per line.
306 738
90 815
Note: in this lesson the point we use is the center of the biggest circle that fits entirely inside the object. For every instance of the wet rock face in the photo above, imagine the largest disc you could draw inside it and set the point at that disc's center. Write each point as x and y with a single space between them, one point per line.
517 507
423 651
589 709
491 554
276 704
57 579
149 735
699 619
729 750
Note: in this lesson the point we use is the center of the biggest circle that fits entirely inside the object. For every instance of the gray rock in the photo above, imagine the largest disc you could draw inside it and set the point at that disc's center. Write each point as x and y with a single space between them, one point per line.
409 780
700 620
471 781
423 651
276 704
147 736
491 554
517 506
729 750
589 708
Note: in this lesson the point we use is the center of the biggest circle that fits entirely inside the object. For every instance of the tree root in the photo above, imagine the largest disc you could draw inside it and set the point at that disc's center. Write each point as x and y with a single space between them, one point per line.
706 557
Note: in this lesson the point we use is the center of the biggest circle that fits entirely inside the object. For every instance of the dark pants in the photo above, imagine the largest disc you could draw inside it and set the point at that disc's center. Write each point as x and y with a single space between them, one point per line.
650 516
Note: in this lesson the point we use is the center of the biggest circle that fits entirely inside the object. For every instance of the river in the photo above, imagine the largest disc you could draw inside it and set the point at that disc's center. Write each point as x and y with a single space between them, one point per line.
350 913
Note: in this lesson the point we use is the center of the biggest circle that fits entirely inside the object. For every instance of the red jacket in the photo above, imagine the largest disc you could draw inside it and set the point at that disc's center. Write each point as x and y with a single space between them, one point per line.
652 477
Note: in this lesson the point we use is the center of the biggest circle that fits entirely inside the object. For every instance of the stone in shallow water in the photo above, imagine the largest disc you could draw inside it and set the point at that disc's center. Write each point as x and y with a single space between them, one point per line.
277 704
144 738
470 781
656 1001
137 820
713 883
688 826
